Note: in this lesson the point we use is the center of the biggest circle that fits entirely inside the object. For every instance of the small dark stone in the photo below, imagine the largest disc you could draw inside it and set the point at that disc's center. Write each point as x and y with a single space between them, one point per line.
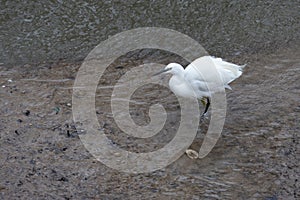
20 183
56 109
27 112
105 125
16 132
64 179
20 121
119 67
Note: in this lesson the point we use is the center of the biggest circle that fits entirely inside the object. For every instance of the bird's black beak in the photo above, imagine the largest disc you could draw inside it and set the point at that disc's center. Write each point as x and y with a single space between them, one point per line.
162 71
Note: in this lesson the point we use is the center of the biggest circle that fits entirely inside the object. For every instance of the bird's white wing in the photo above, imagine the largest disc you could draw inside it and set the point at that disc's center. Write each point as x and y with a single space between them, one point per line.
200 88
209 69
201 69
227 70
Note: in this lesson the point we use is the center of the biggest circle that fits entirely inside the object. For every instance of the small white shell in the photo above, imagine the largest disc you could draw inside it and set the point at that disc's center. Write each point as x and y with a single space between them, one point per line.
192 154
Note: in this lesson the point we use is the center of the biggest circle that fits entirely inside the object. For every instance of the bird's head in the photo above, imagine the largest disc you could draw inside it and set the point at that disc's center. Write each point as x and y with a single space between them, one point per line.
172 68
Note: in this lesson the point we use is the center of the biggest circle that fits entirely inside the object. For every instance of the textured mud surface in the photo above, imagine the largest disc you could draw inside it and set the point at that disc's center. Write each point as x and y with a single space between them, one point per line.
257 156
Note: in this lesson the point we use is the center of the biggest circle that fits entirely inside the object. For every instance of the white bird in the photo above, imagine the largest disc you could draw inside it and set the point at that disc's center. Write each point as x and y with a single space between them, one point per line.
194 80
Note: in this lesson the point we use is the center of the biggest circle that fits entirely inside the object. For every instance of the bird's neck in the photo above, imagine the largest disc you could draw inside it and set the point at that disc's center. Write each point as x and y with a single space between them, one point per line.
179 73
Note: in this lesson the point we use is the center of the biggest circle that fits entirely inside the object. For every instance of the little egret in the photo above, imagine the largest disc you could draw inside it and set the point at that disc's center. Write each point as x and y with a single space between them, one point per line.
194 80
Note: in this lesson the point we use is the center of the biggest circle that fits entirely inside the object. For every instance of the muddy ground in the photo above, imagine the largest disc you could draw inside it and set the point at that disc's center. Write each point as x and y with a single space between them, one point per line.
257 156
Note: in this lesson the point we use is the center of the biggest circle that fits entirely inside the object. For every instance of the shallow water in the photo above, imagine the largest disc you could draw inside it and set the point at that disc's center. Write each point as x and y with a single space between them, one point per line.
257 156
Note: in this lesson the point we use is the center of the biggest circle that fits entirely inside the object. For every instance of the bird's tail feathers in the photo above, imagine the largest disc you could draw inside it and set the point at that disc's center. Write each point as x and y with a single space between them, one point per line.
243 66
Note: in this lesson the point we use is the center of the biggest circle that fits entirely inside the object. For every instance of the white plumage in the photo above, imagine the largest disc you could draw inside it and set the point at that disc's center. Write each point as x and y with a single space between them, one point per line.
198 77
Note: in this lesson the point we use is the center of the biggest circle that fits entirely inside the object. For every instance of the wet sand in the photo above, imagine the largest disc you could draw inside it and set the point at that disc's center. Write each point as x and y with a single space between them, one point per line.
257 156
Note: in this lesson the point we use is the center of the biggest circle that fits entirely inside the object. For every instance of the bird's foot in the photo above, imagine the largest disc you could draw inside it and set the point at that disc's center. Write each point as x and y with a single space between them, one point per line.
203 117
192 154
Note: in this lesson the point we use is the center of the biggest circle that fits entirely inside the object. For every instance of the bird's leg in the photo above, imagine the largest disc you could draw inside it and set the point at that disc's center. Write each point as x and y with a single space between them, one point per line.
190 152
206 105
